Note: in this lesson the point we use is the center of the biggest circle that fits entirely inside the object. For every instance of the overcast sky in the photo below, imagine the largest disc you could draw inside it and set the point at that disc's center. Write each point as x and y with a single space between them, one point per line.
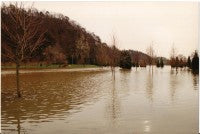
136 24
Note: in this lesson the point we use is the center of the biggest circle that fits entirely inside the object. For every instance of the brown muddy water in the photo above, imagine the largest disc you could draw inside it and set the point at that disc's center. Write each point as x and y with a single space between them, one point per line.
88 102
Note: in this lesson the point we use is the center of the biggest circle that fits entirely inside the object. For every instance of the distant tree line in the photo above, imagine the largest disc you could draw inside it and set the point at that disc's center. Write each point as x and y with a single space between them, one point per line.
181 61
55 39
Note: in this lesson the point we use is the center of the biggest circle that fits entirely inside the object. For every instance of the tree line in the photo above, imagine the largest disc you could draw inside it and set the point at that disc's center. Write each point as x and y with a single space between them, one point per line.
180 61
29 35
52 39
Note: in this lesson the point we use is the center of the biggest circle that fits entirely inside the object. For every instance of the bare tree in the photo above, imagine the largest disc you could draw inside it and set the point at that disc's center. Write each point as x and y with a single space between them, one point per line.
183 60
150 51
23 33
173 55
113 55
137 59
102 55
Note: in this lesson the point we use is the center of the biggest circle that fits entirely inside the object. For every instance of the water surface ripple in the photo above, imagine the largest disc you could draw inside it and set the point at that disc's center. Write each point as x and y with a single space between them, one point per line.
83 102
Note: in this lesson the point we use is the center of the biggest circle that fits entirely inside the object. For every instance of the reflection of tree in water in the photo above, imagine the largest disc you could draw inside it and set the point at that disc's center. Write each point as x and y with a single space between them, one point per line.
195 81
20 130
149 86
173 83
113 104
55 96
18 126
125 79
14 125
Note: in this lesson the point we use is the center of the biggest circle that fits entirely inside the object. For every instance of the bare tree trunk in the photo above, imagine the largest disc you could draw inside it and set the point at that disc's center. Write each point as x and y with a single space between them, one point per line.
114 72
17 79
72 59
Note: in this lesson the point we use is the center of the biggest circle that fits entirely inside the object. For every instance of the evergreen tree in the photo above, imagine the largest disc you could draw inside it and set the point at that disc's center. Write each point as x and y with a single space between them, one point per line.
125 60
177 62
195 62
158 63
161 63
189 62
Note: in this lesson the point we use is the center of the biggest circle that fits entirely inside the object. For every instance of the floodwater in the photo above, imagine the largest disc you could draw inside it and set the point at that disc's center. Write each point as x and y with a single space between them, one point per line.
131 102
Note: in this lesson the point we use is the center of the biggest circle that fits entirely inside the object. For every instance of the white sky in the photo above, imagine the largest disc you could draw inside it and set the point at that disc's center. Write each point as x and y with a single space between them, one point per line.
136 24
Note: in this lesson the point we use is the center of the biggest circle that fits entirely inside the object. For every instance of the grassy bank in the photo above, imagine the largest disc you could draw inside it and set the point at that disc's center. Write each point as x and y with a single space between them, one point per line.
51 66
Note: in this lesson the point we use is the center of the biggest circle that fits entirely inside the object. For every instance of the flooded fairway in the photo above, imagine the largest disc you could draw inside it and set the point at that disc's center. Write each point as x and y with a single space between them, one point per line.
132 102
